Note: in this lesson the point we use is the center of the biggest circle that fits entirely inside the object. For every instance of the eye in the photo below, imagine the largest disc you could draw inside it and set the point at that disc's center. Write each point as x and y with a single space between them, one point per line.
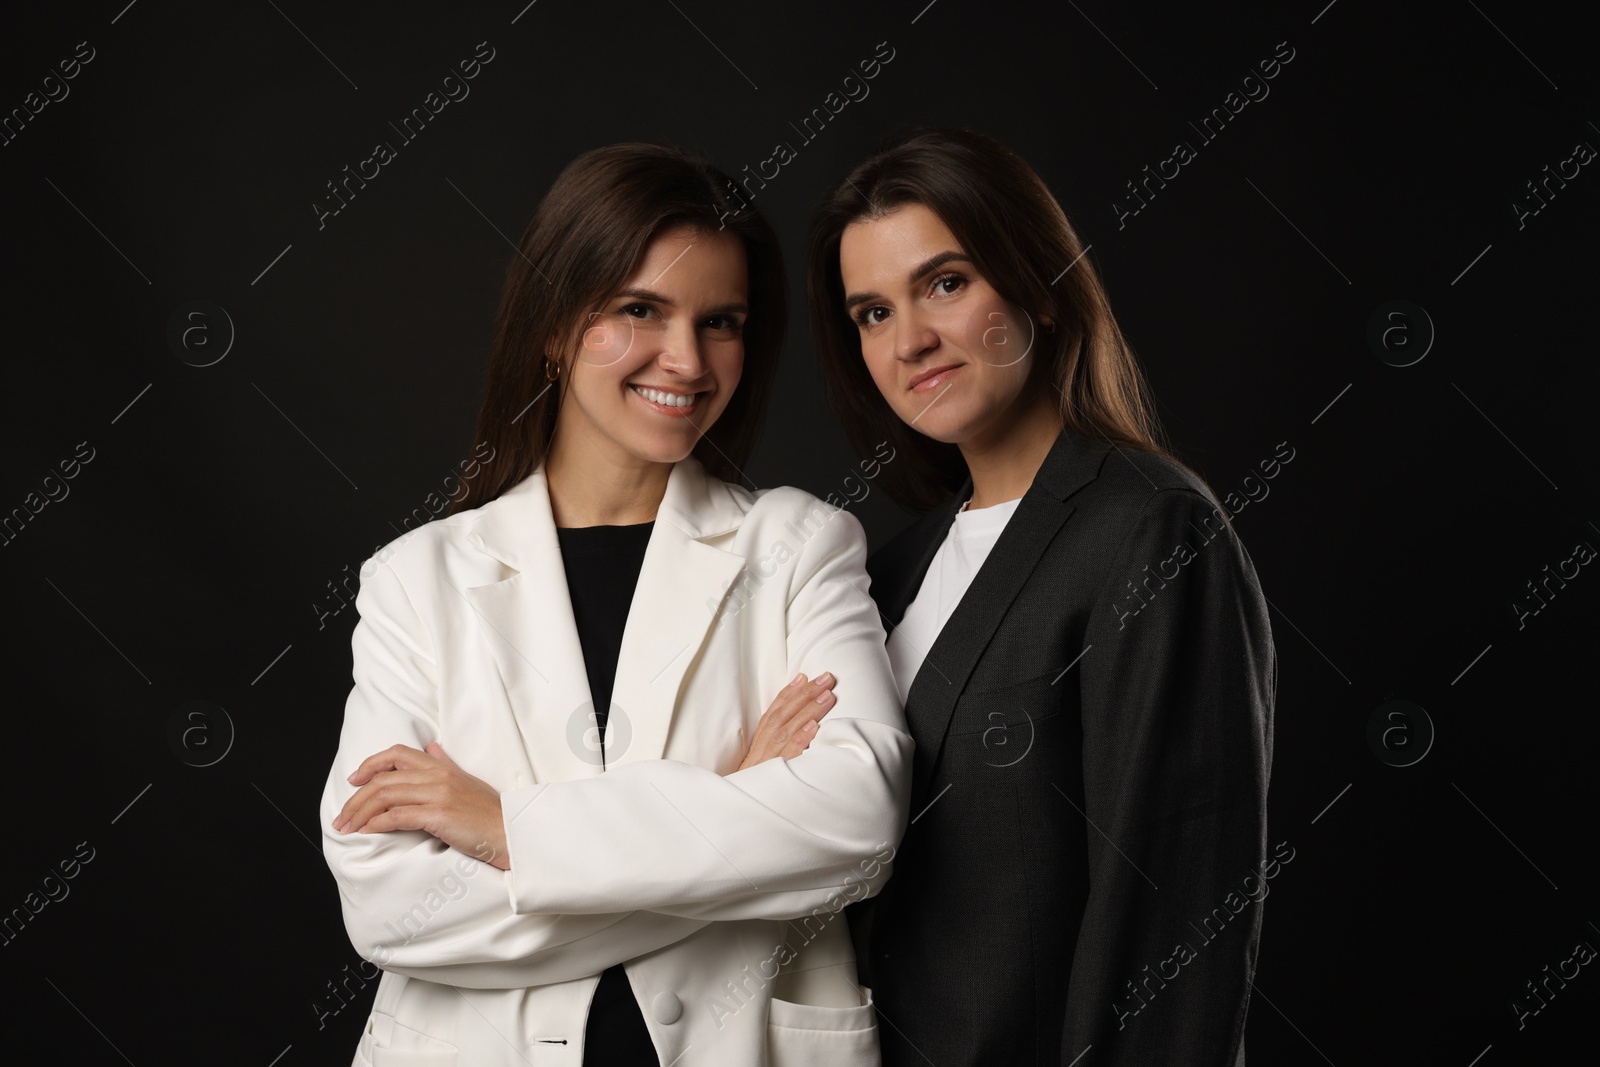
638 311
868 316
724 324
949 283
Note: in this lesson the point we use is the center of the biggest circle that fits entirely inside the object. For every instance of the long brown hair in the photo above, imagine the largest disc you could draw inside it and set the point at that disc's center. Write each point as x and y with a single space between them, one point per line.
1016 233
586 238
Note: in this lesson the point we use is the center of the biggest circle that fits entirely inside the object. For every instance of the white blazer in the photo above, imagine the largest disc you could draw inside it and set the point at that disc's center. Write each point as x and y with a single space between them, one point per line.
664 860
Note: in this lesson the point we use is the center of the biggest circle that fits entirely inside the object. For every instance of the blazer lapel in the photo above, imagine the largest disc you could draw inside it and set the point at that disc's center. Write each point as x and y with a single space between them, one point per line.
534 638
675 605
1071 463
898 569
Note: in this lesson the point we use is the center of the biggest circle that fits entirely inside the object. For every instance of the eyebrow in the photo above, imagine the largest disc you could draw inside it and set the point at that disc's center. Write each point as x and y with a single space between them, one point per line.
927 266
656 298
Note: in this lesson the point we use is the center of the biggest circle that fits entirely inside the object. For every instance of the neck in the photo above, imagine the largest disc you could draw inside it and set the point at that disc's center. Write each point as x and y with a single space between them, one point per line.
1003 463
587 489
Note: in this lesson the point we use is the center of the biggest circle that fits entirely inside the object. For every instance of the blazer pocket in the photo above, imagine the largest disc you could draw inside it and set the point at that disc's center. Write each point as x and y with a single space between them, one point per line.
994 710
386 1043
1037 681
816 1035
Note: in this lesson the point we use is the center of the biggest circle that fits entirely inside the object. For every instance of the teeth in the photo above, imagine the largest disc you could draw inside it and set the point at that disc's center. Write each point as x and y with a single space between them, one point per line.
671 400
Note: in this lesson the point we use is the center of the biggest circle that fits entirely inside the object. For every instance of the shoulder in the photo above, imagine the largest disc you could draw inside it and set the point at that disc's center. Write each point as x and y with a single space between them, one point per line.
1140 494
1153 522
1134 478
793 533
425 552
787 510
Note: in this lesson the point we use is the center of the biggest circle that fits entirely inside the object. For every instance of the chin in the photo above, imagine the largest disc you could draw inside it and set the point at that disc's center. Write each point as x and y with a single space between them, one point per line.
947 426
664 451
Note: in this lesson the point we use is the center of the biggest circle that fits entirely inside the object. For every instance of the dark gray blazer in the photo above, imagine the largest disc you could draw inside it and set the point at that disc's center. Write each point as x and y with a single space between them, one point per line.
1080 882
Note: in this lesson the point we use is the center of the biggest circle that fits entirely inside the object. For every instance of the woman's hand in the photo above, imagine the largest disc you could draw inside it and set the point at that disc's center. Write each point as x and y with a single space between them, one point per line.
789 724
404 789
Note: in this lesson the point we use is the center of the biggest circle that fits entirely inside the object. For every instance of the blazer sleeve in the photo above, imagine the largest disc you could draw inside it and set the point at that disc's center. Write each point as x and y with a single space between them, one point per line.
773 841
412 904
1178 686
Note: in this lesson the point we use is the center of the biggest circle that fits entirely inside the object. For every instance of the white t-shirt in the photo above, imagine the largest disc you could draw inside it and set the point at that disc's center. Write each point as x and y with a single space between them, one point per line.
965 547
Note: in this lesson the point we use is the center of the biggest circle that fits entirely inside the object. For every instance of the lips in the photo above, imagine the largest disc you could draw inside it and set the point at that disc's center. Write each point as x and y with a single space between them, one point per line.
933 377
668 401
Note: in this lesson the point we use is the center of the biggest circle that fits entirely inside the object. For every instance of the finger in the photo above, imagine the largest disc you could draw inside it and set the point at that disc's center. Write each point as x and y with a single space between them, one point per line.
790 709
776 710
436 750
793 735
768 742
387 760
795 701
800 741
363 796
818 700
369 801
358 802
376 807
404 817
387 792
812 712
391 758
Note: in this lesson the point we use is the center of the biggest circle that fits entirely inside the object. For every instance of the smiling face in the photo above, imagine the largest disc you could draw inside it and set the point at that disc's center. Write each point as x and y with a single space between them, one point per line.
652 370
948 352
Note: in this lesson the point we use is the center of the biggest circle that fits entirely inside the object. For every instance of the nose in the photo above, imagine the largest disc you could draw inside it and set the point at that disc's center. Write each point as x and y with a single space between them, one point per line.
913 336
681 351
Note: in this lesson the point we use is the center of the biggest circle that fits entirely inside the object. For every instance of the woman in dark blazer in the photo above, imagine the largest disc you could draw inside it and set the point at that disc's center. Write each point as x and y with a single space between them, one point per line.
1075 627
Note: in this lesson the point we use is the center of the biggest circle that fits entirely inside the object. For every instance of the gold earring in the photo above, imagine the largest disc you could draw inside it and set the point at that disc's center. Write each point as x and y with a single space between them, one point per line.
552 369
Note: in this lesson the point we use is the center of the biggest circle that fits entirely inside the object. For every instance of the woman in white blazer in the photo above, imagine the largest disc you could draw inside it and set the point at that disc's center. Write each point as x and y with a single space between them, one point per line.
494 859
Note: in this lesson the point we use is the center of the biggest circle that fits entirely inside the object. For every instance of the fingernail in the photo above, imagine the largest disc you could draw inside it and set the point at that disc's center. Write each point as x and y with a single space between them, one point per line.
812 725
824 696
825 678
798 679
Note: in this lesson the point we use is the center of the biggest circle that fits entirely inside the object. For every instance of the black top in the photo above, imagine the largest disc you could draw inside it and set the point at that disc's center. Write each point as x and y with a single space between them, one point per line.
602 565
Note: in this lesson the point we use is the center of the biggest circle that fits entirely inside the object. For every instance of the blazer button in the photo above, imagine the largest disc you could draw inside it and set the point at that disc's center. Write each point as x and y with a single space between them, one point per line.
667 1008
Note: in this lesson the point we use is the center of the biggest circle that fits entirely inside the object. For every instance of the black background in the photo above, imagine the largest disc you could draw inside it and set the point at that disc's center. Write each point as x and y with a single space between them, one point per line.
222 500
